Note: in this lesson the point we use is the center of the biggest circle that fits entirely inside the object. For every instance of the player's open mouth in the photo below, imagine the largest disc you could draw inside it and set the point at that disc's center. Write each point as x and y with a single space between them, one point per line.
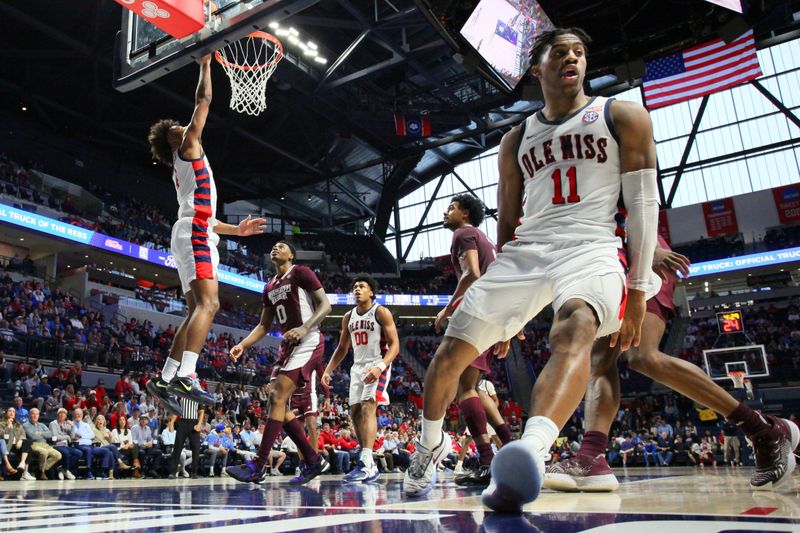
569 73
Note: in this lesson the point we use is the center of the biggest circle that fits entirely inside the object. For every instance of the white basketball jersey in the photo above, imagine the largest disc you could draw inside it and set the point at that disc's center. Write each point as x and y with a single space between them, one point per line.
197 193
571 173
487 387
366 336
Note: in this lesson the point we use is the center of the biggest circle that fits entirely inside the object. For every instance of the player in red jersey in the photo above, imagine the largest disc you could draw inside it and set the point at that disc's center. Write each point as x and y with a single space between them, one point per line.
296 299
471 253
193 243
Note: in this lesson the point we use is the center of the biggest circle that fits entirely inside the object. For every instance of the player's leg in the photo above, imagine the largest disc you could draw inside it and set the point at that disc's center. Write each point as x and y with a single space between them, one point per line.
206 300
475 418
589 470
256 470
586 303
366 429
159 387
495 419
312 430
462 454
774 439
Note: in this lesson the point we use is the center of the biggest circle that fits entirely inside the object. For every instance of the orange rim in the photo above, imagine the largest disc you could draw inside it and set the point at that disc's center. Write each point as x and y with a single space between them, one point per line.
255 35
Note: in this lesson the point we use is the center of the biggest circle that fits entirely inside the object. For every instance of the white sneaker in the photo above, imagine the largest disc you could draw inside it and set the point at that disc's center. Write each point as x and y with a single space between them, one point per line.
60 474
459 469
517 476
69 475
211 472
224 473
275 472
27 476
184 473
421 474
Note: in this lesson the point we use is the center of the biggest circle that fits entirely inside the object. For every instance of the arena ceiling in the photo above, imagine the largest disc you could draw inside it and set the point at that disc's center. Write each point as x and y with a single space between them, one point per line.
325 151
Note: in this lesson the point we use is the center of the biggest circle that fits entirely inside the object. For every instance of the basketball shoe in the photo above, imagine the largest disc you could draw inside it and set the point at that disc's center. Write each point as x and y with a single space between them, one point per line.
248 472
309 471
581 473
517 476
478 477
421 474
189 387
362 474
774 450
160 389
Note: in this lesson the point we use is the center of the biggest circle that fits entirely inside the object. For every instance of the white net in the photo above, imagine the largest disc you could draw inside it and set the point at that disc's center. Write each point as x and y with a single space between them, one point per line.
737 378
249 63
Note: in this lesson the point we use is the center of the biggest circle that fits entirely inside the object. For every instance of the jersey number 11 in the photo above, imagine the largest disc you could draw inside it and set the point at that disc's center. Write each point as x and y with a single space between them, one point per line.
558 196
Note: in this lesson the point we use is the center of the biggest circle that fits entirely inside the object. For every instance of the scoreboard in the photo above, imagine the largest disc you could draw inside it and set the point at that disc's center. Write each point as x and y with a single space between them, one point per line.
730 322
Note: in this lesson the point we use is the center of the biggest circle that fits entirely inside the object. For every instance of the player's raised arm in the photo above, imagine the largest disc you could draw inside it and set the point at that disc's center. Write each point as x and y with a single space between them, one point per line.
637 151
339 354
247 227
256 334
509 188
191 147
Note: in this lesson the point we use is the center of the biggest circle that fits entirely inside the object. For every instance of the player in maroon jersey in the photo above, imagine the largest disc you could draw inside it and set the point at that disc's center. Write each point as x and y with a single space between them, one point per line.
294 297
471 253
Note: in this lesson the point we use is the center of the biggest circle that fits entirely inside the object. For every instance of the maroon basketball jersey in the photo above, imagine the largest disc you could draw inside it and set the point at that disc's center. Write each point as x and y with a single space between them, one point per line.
471 238
289 297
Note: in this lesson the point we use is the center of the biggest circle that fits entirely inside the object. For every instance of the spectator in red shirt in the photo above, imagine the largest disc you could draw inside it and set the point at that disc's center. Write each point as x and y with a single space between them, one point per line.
123 388
349 445
100 390
328 442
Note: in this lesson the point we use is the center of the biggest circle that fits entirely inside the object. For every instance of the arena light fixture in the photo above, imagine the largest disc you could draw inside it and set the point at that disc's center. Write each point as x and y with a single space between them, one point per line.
274 25
294 32
322 60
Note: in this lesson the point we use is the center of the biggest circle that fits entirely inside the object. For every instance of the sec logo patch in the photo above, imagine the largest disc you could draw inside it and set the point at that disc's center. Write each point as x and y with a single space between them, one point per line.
590 117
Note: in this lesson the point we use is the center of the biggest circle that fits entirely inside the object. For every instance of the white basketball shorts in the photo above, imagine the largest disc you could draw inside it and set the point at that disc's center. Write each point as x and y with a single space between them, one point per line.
194 249
526 277
361 392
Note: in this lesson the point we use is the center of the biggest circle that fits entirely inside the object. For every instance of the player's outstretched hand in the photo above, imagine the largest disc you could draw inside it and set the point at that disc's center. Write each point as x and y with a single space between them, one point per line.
326 381
295 335
373 374
630 332
441 316
236 352
667 262
251 226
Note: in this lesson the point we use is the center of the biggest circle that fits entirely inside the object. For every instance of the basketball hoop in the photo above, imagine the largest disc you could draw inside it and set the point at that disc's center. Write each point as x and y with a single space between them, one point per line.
249 63
737 378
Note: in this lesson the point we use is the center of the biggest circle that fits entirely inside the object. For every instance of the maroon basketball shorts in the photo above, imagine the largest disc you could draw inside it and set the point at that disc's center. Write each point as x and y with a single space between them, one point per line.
299 361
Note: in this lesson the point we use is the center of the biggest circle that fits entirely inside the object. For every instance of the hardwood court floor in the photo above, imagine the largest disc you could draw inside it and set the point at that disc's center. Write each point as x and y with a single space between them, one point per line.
670 499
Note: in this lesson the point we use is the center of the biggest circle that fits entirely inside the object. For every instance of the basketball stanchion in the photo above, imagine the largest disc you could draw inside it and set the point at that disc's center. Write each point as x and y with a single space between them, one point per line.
249 63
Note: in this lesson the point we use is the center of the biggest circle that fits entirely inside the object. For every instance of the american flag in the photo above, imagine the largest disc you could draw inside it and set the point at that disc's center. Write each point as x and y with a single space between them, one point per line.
701 70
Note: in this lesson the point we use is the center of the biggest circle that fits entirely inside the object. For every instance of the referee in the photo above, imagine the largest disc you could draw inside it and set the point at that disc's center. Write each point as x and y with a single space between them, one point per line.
189 426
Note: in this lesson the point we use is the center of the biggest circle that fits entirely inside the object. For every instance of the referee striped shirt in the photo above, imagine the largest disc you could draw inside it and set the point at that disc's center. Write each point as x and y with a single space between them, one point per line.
190 408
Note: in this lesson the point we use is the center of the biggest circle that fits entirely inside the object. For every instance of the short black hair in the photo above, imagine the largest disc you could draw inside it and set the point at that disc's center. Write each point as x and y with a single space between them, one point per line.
366 278
546 38
157 138
473 204
291 249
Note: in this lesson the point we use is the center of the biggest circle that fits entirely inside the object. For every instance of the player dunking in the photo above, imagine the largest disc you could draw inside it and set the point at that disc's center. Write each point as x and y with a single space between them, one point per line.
570 160
471 253
295 298
773 439
369 328
195 236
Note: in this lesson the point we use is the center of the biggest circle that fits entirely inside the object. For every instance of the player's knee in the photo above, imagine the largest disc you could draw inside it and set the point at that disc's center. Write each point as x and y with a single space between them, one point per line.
644 361
208 305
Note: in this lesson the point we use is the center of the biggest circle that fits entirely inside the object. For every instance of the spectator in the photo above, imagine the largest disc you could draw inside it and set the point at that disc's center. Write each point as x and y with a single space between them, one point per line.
14 436
122 437
626 450
730 432
82 434
61 434
39 436
218 446
665 449
104 439
148 450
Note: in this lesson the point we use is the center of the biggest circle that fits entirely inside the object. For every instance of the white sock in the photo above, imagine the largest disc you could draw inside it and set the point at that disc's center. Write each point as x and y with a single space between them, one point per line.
459 463
188 364
542 432
366 457
171 366
431 434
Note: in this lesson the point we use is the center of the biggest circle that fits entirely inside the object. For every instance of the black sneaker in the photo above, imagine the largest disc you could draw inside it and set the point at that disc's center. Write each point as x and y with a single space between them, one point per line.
309 471
249 472
189 388
478 477
774 450
161 390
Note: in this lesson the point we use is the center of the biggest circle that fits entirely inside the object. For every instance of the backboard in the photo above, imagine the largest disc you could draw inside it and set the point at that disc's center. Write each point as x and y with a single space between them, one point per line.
752 360
143 53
